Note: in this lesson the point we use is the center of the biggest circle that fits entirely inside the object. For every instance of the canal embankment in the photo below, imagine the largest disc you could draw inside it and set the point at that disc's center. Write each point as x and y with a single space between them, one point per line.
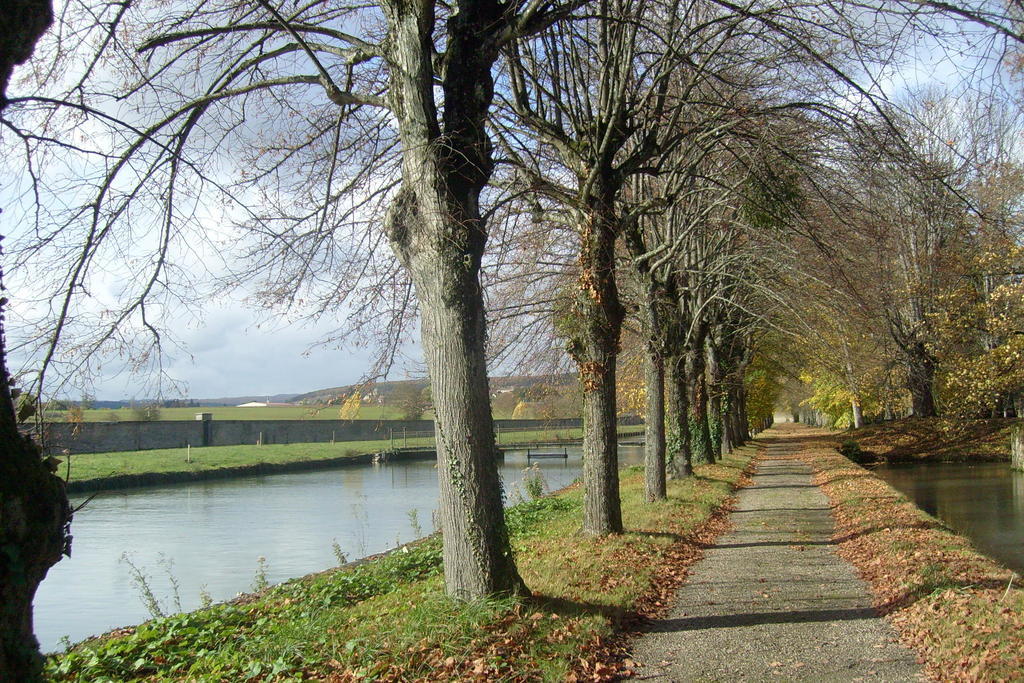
209 466
916 440
962 611
90 472
390 619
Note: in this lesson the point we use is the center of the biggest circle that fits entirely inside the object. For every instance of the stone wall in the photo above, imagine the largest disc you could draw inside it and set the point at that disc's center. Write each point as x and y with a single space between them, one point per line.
98 437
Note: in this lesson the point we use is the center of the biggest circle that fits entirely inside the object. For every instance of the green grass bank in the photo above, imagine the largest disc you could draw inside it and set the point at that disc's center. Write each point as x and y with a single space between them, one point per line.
388 619
97 471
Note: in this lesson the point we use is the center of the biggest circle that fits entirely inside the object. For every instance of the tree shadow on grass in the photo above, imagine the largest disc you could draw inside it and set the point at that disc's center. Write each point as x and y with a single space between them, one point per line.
573 608
721 480
923 525
909 597
656 534
832 479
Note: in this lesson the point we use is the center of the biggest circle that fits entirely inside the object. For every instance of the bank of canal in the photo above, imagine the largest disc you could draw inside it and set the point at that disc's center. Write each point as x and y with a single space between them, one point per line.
982 501
210 535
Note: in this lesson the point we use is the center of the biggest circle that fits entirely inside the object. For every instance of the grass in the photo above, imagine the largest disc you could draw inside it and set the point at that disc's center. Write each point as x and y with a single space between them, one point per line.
389 619
955 606
935 439
86 466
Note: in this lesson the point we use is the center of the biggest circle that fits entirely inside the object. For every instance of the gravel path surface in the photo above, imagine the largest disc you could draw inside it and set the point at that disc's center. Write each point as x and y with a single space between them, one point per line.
771 601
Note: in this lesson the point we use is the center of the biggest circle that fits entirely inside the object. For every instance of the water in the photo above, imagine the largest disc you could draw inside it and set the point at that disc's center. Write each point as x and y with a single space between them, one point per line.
983 501
215 532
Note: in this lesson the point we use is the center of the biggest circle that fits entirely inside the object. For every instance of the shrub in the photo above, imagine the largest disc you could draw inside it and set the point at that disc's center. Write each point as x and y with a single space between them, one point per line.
149 412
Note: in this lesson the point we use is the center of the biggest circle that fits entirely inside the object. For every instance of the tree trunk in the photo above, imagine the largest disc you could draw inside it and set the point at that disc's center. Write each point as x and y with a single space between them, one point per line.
735 415
436 229
477 556
728 436
697 395
920 380
34 513
1017 447
594 346
602 510
34 521
714 387
677 420
858 414
22 23
654 366
654 444
743 418
851 381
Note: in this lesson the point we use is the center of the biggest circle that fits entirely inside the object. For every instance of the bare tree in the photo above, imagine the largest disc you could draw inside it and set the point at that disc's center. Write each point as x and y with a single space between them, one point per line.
350 130
594 96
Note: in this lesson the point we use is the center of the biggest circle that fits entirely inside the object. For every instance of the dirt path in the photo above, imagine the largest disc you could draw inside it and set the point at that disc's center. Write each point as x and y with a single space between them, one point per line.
771 601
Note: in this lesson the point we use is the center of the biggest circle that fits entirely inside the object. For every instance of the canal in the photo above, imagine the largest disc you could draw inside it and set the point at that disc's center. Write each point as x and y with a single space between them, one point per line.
983 501
215 537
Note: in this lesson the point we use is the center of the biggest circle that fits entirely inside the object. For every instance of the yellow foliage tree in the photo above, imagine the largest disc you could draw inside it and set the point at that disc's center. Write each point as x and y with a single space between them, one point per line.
350 408
846 361
763 388
630 390
980 337
521 411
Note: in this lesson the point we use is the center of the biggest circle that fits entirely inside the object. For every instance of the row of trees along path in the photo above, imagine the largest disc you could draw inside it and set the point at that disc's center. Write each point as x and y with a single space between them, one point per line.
771 600
605 171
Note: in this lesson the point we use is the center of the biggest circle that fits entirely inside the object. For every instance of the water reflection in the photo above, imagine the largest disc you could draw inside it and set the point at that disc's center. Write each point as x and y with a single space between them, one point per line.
214 532
983 501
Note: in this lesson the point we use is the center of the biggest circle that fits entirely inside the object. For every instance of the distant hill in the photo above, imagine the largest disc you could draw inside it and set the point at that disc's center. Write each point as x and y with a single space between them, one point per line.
383 391
113 405
239 400
187 402
376 392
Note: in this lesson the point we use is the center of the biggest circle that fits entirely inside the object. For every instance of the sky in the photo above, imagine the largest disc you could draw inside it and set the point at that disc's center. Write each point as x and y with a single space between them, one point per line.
234 353
237 351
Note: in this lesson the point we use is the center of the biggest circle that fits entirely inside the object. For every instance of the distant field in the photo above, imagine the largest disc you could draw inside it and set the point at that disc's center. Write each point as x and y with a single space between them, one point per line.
235 413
